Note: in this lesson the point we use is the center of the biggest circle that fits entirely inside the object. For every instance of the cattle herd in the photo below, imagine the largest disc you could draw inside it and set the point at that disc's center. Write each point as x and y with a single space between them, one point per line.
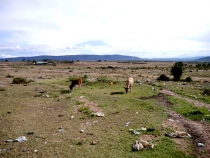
129 84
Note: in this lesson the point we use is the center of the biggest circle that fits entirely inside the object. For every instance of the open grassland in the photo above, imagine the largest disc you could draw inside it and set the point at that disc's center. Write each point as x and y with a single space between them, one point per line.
61 124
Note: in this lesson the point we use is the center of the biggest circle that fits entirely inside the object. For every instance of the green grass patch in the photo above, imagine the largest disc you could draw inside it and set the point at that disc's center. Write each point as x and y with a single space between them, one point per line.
190 111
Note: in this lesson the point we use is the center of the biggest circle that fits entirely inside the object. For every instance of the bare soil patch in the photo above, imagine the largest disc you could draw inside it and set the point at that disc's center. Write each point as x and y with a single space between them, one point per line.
86 103
200 132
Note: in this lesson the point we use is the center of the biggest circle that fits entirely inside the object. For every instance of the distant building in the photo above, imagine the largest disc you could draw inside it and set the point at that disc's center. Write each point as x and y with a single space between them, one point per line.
41 63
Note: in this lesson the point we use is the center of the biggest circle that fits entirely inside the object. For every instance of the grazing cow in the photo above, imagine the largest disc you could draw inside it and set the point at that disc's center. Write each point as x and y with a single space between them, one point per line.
74 83
129 84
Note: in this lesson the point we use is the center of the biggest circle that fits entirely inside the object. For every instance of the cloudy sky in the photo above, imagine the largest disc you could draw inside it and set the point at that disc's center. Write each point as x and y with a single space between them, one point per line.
142 28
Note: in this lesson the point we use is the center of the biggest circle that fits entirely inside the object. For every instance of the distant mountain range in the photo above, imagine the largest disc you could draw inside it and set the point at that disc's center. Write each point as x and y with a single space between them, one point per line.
75 58
204 59
103 58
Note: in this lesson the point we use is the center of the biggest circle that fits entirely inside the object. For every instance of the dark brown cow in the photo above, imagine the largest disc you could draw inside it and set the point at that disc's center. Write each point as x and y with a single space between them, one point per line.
74 83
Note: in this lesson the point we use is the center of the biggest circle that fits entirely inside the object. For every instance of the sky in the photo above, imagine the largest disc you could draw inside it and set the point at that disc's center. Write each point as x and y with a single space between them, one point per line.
141 28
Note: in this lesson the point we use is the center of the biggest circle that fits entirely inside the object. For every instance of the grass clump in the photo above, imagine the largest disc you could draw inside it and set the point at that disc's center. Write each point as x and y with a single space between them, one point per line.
85 110
19 80
190 111
9 76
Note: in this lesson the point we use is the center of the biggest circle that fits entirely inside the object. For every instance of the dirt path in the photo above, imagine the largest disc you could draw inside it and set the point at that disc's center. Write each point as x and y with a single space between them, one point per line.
199 131
195 102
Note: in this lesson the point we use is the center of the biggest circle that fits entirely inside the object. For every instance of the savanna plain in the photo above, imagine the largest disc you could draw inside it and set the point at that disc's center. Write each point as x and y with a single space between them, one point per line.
99 119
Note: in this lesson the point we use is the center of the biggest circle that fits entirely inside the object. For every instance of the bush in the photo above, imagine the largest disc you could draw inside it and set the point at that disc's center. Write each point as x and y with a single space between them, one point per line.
188 79
110 67
9 76
177 70
19 80
163 78
206 92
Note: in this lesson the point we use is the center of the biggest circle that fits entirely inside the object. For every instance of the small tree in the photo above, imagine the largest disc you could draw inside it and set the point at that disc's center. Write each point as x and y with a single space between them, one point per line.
177 70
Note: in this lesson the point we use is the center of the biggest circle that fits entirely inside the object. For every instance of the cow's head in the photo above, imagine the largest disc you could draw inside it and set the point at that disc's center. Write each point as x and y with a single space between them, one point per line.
70 89
126 90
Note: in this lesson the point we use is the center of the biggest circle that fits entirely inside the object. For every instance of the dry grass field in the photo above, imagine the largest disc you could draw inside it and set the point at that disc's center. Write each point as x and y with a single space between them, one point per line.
61 124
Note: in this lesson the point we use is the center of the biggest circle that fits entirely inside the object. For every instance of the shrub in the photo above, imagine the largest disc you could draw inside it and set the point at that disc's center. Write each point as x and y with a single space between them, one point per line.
19 80
110 67
206 92
188 79
9 76
163 78
177 70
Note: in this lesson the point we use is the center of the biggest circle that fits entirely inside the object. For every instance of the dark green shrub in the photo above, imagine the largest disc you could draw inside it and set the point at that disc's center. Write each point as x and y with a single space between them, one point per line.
188 79
110 67
163 78
19 80
206 92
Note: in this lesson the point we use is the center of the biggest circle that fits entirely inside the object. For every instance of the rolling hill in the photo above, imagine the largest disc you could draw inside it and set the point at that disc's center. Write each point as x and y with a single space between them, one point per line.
75 58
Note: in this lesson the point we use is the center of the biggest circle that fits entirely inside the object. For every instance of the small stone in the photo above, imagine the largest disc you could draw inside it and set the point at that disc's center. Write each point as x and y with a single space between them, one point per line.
201 145
93 143
35 150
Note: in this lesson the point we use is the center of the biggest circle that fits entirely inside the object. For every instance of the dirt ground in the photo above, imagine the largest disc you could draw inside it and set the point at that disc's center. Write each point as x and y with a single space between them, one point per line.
199 131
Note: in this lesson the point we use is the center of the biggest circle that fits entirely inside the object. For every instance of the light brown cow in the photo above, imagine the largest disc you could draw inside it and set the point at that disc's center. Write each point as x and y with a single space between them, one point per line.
129 84
74 83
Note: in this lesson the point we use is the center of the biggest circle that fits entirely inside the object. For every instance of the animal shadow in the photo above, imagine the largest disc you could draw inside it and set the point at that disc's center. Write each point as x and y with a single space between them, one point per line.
115 93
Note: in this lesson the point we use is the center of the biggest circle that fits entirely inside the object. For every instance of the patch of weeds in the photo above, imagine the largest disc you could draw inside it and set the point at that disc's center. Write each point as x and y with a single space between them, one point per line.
29 81
69 97
79 102
103 68
16 66
39 95
85 110
190 111
19 80
9 76
198 115
85 79
64 91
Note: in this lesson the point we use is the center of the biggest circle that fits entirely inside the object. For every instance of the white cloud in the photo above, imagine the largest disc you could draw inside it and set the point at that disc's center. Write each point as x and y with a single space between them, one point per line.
144 28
